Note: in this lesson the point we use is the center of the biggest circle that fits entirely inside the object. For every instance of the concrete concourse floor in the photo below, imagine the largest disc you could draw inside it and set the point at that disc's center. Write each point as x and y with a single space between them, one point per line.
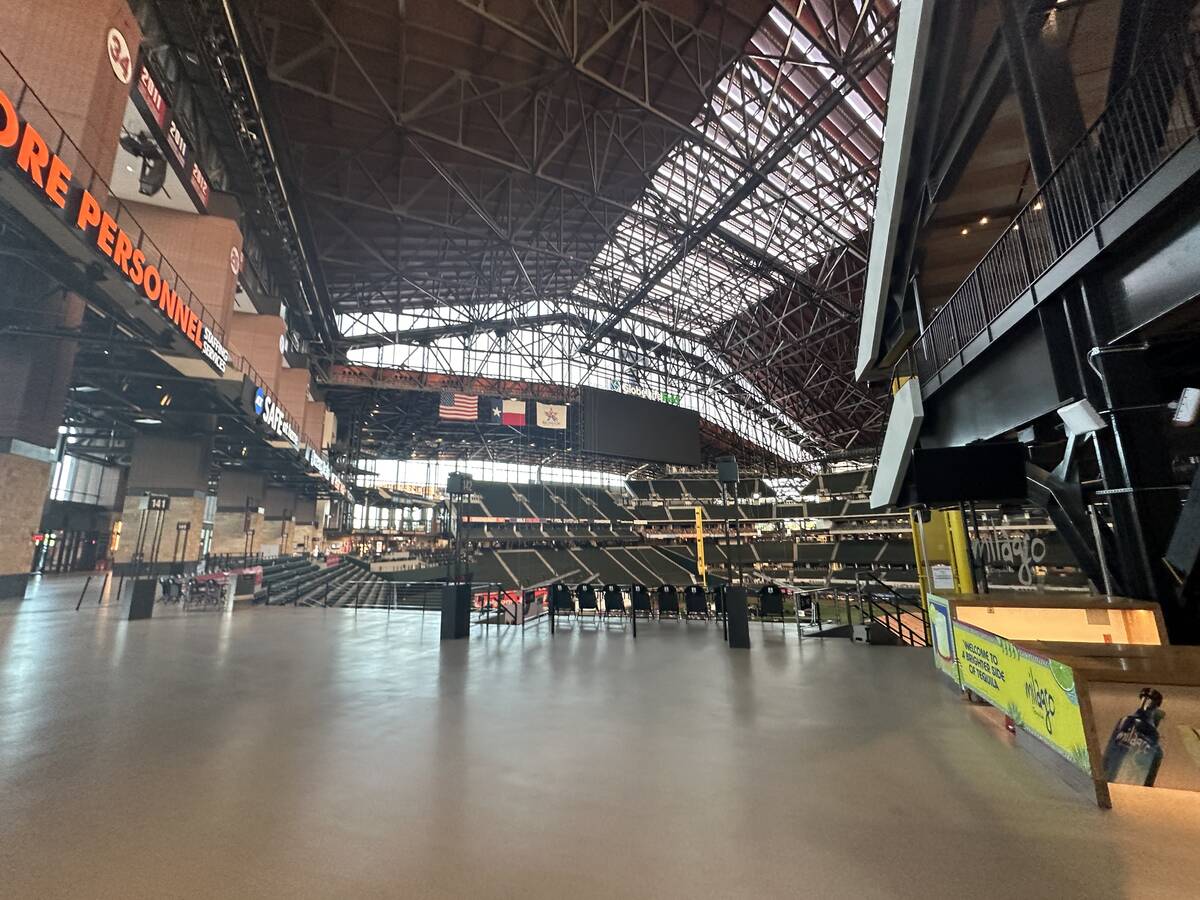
315 753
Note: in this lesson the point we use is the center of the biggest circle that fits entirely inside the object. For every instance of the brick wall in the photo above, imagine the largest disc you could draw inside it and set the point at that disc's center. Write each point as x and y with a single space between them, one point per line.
198 247
293 394
229 535
60 50
24 483
257 338
182 509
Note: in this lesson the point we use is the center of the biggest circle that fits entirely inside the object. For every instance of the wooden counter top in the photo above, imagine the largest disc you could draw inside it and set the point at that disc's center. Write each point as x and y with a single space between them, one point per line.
1124 662
1019 600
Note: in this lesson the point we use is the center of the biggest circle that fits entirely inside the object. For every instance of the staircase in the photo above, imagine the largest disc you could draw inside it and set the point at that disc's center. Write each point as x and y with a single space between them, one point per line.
890 616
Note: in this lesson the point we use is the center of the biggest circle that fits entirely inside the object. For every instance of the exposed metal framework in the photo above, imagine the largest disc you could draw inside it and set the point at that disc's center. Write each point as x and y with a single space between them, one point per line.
672 196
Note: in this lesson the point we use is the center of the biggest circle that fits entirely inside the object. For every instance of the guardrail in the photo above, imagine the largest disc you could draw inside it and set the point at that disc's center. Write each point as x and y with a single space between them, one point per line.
31 108
1149 119
903 616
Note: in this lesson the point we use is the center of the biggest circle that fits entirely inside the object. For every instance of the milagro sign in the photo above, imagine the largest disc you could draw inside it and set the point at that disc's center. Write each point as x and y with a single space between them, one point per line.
24 148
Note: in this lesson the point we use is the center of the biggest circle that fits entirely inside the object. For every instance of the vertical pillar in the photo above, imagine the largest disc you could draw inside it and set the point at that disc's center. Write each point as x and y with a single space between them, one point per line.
307 531
1036 37
279 510
257 338
1135 466
238 525
201 249
64 57
178 468
35 372
942 552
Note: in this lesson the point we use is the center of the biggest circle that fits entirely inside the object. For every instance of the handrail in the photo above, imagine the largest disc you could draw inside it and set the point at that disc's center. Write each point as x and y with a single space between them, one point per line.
86 174
1150 118
875 610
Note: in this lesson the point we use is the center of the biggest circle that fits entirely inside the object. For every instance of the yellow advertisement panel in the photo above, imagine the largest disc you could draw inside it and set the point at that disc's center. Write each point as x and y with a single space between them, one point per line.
1036 692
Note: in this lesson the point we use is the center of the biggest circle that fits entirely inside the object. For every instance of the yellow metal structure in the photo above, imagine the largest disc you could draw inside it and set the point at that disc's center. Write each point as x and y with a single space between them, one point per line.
942 552
940 545
701 565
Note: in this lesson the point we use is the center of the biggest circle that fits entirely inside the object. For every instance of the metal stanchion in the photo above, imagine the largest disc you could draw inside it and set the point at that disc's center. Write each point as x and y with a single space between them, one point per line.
86 585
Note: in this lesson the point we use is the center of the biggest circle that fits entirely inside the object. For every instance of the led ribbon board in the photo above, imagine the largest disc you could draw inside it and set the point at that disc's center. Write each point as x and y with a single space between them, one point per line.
325 470
24 148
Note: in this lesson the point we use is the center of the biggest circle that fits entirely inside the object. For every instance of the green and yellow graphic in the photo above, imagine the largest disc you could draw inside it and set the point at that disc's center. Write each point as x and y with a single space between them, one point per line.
1036 692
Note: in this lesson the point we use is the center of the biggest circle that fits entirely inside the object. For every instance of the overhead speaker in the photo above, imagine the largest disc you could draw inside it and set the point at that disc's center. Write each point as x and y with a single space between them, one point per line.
727 470
152 176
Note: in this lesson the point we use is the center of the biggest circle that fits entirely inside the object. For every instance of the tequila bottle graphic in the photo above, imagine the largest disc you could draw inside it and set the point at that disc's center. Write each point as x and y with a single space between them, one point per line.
1134 753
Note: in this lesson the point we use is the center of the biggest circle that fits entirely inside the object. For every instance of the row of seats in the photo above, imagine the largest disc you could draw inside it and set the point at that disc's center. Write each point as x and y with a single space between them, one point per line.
663 500
474 531
848 552
667 601
326 584
530 566
664 563
694 488
285 574
498 499
718 512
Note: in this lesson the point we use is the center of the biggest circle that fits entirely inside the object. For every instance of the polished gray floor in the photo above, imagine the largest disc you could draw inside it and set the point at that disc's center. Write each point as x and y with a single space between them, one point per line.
313 753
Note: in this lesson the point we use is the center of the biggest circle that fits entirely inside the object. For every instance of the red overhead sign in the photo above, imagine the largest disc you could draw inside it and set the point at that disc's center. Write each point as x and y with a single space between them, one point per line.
171 133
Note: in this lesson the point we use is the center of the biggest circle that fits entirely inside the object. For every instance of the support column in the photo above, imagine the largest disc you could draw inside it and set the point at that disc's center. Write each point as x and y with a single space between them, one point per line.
1036 37
308 533
35 371
238 525
63 54
200 249
1133 455
279 510
1135 466
178 468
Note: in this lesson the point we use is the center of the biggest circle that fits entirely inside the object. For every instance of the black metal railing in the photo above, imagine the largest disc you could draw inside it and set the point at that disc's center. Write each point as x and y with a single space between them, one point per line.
903 616
1150 118
38 114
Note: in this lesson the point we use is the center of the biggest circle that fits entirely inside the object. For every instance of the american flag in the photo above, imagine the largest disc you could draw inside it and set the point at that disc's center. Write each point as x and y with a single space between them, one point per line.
462 407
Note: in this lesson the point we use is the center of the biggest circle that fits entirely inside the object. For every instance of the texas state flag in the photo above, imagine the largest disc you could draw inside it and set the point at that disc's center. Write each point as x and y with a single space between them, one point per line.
513 412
